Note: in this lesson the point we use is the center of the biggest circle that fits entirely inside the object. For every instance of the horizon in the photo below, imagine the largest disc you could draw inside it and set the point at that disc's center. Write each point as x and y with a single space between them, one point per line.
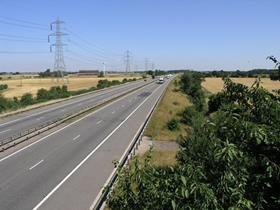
198 35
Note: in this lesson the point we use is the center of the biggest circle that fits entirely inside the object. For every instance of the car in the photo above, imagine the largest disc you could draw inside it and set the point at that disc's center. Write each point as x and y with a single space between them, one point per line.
160 80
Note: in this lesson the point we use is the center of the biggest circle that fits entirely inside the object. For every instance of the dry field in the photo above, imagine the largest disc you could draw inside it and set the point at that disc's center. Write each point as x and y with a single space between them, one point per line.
17 87
215 85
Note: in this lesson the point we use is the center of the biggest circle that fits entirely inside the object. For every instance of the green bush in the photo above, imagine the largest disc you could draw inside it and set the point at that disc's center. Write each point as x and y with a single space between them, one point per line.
173 124
124 80
189 115
228 160
3 86
26 99
103 84
115 82
43 95
190 84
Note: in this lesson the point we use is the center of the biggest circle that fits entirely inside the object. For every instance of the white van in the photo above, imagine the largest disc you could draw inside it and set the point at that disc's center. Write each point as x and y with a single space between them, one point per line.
160 80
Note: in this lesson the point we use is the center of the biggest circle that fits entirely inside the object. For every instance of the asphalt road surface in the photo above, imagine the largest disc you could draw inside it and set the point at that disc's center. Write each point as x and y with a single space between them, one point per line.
21 122
68 168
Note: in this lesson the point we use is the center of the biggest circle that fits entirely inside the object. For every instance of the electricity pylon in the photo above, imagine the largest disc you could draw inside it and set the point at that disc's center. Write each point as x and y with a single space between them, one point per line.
59 64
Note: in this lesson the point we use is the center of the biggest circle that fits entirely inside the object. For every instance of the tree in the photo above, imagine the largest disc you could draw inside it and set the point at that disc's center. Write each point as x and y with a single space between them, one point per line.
228 160
26 99
277 65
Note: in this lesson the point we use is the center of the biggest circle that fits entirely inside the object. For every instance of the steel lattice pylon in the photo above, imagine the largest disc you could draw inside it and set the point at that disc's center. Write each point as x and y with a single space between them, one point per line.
59 64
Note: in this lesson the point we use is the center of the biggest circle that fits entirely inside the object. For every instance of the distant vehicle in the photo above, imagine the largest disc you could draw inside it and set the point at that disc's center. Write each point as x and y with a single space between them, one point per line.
168 76
160 80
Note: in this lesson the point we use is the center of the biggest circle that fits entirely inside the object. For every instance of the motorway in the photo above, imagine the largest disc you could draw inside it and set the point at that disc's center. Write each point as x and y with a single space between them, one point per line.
67 169
15 124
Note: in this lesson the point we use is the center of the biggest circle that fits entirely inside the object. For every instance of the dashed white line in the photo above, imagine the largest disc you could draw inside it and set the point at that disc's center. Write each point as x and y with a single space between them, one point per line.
40 118
99 122
36 164
113 112
89 155
76 137
122 105
51 134
5 130
63 110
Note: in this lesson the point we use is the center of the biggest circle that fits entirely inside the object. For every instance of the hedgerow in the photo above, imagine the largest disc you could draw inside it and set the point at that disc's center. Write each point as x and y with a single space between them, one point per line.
228 160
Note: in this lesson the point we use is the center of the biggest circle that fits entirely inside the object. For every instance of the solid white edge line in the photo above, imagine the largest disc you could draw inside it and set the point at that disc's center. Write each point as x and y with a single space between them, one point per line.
121 159
5 130
35 165
39 140
54 108
114 171
91 153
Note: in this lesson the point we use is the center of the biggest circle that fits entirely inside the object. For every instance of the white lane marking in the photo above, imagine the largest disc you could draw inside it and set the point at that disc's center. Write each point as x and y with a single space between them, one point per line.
73 102
114 171
90 154
121 159
40 118
36 164
113 112
5 130
76 137
122 105
80 104
63 110
99 122
39 140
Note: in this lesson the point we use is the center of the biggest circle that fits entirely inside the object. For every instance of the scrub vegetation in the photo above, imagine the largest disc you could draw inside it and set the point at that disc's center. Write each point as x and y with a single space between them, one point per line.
172 103
21 84
56 92
229 158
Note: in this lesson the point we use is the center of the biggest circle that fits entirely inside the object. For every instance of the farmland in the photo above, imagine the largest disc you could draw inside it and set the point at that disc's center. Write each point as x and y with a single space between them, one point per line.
17 87
215 85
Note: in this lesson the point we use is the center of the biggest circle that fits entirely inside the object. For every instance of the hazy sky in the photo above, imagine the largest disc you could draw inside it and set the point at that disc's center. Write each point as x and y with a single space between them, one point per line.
174 34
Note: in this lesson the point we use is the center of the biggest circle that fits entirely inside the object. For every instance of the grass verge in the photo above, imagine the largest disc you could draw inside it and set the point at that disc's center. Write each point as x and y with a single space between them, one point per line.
173 102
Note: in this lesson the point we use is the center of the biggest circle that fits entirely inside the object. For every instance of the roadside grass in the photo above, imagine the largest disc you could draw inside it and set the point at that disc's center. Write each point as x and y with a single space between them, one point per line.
172 103
161 157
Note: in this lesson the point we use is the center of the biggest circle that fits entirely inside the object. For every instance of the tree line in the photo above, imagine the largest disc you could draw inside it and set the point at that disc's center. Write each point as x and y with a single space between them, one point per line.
228 160
55 92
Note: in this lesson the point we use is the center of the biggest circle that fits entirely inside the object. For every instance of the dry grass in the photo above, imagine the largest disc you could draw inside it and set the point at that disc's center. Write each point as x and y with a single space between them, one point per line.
161 157
18 87
215 85
172 102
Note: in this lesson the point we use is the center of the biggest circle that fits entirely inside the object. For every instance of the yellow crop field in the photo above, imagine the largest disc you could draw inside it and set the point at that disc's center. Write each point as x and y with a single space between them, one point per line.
18 87
215 85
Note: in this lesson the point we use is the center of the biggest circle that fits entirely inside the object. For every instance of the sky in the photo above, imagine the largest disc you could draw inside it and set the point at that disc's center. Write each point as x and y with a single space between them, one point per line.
170 34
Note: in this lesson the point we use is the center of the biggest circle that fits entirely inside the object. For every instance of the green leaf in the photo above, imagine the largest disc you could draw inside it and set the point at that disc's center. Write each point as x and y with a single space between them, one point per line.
184 180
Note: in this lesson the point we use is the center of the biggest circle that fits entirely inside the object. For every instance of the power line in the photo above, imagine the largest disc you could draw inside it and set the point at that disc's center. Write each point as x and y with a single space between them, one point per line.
23 52
23 21
21 37
87 50
20 40
101 50
21 25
